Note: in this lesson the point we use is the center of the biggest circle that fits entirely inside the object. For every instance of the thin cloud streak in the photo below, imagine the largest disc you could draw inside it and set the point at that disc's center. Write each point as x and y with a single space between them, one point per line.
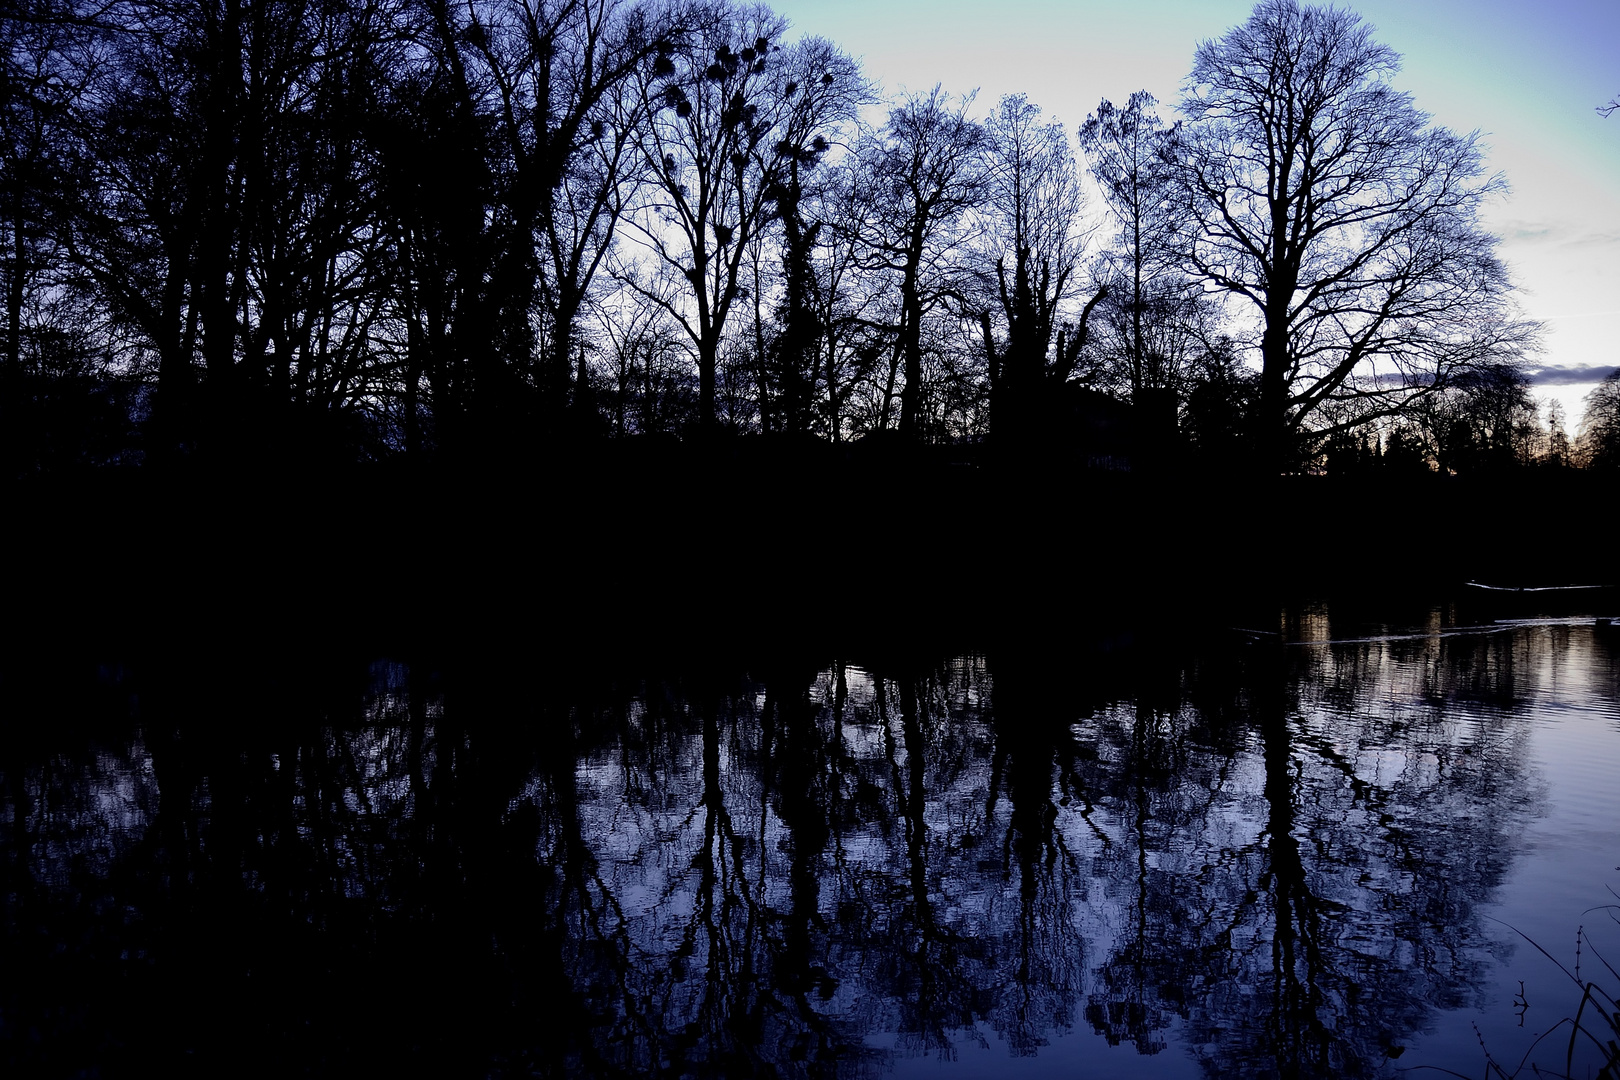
1564 375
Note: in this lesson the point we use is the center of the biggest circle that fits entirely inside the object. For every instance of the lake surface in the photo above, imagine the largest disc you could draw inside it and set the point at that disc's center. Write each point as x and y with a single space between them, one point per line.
1292 849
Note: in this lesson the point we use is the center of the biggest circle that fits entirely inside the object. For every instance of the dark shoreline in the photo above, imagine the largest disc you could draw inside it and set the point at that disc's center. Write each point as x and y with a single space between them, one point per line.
659 548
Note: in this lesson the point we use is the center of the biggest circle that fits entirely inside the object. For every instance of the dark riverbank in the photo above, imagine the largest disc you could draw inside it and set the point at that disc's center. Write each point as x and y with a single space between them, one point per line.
680 547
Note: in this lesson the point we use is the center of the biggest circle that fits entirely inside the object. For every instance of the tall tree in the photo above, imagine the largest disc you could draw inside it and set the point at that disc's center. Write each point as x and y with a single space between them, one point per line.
849 325
1035 203
505 221
310 248
1319 196
46 64
1600 425
566 113
731 113
803 144
33 44
223 206
921 175
1132 158
137 195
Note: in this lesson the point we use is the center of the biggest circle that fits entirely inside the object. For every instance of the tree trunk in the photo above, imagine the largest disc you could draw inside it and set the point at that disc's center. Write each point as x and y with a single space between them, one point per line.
1293 942
14 292
911 349
708 363
888 388
1271 427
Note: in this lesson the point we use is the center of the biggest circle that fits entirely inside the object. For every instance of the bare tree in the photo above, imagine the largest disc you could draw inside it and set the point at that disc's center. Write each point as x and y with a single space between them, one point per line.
42 60
649 372
563 80
1558 446
730 110
797 198
1325 202
1482 421
220 205
48 62
1170 325
524 105
1600 425
921 176
1132 159
847 301
1035 205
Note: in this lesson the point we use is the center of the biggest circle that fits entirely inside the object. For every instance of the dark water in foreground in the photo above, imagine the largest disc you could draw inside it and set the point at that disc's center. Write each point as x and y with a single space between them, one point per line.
1246 855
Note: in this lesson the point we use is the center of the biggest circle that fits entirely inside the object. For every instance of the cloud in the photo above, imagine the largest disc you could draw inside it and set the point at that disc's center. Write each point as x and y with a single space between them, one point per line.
1531 231
1566 375
1565 234
1592 238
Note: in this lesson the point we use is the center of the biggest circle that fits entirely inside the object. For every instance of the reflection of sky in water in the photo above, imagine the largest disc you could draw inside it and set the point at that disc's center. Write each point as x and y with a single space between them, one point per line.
1357 735
1006 864
1569 850
1563 723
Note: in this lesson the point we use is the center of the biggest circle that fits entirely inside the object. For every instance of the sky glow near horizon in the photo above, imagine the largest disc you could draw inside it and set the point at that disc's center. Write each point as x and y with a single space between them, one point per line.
1528 76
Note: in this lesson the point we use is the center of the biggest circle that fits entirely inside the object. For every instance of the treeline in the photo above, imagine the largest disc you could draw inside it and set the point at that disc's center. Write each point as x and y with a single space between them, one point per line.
368 229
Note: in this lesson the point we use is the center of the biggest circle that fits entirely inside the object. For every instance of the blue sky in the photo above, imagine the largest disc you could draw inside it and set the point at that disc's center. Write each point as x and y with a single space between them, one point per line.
1527 75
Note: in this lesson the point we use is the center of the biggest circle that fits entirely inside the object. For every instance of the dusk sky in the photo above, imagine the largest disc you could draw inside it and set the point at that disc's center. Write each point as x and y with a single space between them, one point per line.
1527 75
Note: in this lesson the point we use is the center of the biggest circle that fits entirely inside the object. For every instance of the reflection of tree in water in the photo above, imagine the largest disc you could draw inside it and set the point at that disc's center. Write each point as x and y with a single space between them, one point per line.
1311 912
778 894
1275 851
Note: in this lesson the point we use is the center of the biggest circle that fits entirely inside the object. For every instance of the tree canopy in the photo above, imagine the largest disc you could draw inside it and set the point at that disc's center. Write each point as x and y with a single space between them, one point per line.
466 231
1343 223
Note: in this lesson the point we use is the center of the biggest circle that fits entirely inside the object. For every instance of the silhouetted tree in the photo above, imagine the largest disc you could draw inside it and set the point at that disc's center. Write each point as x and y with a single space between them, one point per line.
1558 451
1034 203
1484 422
569 110
1221 396
380 228
1320 198
1406 451
652 386
308 267
848 303
796 197
507 152
1133 159
920 177
731 111
52 337
223 205
137 194
1600 425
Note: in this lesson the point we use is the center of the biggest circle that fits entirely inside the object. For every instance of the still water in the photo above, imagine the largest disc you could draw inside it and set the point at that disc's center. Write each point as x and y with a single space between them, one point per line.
1280 850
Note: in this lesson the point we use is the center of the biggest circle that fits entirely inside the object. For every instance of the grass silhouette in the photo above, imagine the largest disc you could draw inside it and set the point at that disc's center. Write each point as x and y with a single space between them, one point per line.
1596 1019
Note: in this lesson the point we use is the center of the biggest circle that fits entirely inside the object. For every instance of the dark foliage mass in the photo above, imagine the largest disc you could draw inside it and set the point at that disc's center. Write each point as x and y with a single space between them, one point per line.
344 230
1600 428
